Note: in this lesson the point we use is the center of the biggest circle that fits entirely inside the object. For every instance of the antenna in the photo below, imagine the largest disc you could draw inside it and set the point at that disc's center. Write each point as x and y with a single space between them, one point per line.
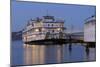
72 27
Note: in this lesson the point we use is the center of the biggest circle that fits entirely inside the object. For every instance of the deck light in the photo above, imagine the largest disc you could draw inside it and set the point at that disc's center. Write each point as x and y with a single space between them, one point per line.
58 29
36 30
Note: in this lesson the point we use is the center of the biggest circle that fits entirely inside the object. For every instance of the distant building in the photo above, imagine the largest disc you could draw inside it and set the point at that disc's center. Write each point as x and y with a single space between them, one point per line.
90 29
41 28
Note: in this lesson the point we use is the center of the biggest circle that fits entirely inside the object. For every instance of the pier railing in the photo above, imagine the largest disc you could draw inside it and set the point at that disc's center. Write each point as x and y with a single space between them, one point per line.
55 36
63 36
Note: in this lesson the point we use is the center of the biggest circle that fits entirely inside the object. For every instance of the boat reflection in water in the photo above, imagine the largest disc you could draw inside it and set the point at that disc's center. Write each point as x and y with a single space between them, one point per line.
60 53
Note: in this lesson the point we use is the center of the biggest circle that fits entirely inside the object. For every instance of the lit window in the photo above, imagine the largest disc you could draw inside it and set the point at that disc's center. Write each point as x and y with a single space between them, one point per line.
34 35
58 29
36 30
43 29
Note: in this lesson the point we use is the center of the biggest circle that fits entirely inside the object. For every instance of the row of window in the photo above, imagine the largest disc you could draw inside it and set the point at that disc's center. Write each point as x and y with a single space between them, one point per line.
54 25
42 32
48 25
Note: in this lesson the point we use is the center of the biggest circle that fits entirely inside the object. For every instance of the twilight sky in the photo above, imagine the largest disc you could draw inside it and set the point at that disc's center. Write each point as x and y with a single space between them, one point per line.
74 15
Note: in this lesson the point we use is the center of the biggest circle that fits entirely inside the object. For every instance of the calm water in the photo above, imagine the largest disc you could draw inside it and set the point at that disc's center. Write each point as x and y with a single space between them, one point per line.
24 54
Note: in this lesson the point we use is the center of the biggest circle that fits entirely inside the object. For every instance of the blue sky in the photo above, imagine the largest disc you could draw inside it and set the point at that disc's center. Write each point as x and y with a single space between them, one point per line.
74 15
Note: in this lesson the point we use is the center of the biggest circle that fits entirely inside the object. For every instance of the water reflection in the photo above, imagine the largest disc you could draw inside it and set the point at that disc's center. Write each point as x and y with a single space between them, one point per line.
70 48
40 54
34 54
45 54
87 51
90 52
